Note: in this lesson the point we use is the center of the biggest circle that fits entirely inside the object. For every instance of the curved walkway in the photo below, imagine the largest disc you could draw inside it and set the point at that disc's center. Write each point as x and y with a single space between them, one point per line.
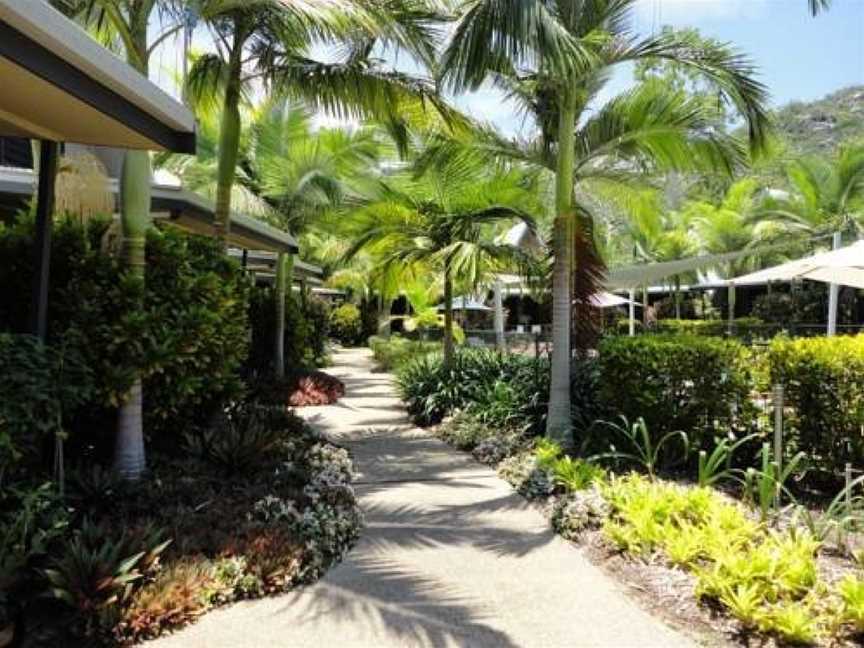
450 556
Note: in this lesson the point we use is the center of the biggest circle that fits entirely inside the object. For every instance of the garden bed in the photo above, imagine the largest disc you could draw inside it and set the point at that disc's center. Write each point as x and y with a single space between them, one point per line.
809 590
258 507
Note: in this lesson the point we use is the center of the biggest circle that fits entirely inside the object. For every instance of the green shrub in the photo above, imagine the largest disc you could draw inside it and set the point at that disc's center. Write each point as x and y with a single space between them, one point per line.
499 389
393 352
346 325
185 331
742 326
690 383
197 301
317 314
40 386
824 385
302 349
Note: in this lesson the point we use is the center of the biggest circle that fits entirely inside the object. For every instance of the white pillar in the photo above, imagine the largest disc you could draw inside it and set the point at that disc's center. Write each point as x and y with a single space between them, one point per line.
632 307
499 317
833 294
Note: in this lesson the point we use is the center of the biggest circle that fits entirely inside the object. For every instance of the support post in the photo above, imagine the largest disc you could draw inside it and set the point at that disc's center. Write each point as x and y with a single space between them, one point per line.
244 260
833 293
499 317
645 307
778 426
279 342
731 296
48 155
632 308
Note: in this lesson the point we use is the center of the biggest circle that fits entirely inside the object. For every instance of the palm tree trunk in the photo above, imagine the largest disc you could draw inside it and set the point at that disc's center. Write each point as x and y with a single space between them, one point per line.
284 270
386 304
129 456
130 460
448 317
558 425
229 147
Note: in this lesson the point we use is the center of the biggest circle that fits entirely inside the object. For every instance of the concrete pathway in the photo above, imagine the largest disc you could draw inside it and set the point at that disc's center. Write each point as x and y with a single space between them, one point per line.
450 556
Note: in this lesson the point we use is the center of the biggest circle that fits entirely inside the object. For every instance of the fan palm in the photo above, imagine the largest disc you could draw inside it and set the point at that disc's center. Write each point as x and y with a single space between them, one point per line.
445 219
560 53
269 42
125 23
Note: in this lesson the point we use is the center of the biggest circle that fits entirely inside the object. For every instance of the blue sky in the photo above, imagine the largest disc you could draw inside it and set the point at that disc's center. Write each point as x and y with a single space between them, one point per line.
799 57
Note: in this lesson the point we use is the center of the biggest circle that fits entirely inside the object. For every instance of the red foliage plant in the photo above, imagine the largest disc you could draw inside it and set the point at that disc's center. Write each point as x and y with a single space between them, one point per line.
314 388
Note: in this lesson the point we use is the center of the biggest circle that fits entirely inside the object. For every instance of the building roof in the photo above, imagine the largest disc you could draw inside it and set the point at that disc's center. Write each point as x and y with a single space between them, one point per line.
61 85
173 204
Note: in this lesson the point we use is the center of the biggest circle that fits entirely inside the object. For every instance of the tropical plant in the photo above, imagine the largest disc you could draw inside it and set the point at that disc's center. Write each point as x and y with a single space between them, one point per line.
826 196
129 23
554 58
765 486
716 466
272 42
242 436
641 448
443 217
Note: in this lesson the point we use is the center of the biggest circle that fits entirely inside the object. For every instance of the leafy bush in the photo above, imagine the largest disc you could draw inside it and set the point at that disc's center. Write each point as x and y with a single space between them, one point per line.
243 435
197 303
690 383
824 386
304 343
740 326
393 352
346 325
40 386
499 389
185 331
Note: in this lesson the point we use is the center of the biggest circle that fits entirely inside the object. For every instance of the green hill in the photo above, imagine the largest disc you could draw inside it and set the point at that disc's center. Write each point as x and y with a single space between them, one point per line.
818 127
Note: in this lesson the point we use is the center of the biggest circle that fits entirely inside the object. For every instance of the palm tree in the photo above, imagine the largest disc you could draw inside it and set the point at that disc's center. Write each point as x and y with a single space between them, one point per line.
818 5
444 219
560 52
127 22
826 196
269 42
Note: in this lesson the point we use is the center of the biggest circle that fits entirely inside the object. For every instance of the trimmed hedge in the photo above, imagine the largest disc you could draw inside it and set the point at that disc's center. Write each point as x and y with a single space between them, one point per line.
696 384
714 328
824 391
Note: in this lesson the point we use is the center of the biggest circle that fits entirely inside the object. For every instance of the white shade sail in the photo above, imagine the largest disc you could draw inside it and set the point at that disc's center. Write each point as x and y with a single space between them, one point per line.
844 266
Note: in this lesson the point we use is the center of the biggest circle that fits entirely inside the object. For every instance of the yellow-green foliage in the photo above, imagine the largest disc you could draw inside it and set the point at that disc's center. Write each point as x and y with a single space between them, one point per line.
851 590
766 579
824 380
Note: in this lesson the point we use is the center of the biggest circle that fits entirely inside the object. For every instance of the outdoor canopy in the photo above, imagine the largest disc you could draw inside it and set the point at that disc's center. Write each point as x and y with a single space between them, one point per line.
844 266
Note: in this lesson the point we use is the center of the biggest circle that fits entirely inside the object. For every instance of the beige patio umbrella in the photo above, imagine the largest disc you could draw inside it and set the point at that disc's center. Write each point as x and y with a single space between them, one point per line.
839 267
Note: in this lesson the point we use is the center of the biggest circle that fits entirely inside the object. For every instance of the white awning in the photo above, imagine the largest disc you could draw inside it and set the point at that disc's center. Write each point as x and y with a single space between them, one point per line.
844 266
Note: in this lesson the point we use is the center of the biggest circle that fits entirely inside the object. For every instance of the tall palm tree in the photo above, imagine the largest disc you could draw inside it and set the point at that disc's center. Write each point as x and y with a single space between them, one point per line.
564 50
126 23
445 219
270 42
826 196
